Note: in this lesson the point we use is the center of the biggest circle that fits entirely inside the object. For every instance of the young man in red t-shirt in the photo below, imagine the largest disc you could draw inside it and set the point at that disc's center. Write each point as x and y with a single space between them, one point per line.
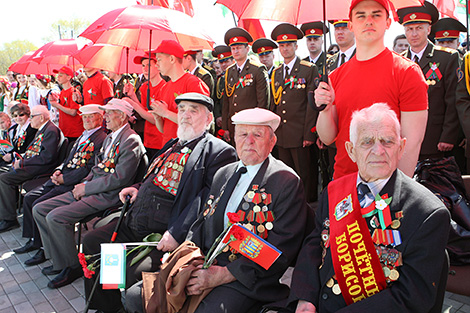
97 89
170 63
153 138
69 121
374 74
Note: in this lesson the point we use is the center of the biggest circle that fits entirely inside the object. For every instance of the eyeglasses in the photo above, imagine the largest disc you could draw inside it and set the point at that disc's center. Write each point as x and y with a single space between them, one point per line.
16 115
33 115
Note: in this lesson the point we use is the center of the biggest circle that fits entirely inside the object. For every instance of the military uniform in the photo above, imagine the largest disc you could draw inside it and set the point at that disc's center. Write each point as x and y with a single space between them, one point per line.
462 103
119 86
298 119
206 77
440 67
316 29
245 89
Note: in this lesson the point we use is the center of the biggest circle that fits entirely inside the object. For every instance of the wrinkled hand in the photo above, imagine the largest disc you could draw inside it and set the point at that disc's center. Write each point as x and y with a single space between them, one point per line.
17 164
129 191
320 144
167 243
202 279
227 136
7 157
443 146
76 96
159 107
57 178
324 94
305 307
78 191
307 143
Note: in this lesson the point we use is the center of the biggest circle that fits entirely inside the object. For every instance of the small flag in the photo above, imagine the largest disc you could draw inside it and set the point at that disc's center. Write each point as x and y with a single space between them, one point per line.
254 247
113 265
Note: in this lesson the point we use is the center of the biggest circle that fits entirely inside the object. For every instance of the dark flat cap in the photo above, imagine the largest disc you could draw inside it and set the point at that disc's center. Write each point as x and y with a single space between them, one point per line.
196 97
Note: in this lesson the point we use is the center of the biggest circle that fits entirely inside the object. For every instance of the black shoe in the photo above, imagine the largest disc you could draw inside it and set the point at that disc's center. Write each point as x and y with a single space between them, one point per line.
38 258
29 246
7 225
67 276
49 271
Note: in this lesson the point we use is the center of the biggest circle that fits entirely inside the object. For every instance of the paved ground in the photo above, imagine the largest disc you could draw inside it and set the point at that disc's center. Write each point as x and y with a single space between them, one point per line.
24 289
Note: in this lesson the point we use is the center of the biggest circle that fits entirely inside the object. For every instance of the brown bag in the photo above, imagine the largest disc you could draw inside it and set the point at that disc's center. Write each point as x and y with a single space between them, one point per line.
164 292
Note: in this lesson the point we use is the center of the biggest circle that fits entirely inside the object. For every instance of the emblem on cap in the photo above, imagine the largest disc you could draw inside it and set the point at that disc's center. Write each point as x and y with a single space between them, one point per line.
312 31
263 49
284 37
235 39
221 55
445 34
413 16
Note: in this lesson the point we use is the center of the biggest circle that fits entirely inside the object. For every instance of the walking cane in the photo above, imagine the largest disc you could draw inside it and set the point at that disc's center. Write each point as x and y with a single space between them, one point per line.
113 238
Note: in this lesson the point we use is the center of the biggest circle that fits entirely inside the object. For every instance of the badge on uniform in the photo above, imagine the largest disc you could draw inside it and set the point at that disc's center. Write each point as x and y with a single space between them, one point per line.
343 208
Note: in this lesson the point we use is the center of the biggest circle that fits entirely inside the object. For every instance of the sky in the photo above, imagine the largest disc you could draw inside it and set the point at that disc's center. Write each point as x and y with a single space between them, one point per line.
31 19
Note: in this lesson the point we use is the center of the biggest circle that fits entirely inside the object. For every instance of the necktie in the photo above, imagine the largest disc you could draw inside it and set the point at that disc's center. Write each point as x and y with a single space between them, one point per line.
107 145
230 187
287 72
416 59
343 59
364 195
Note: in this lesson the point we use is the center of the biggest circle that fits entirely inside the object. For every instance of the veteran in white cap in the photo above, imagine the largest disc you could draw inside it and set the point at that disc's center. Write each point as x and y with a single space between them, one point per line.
116 167
269 199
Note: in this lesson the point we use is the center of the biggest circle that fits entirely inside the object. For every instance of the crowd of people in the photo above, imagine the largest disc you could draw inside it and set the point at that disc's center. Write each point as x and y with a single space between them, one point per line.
321 169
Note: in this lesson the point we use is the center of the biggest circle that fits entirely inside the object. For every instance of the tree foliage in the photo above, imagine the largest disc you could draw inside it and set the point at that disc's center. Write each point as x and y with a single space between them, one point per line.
12 51
66 29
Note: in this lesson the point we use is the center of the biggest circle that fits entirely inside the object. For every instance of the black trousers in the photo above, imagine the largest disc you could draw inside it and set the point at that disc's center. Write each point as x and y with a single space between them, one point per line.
110 300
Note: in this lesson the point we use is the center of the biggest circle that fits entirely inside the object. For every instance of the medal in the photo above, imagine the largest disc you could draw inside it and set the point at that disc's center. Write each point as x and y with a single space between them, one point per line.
394 275
165 182
269 225
264 208
396 224
175 166
226 249
106 170
260 228
336 290
330 283
256 209
386 271
232 257
249 227
245 206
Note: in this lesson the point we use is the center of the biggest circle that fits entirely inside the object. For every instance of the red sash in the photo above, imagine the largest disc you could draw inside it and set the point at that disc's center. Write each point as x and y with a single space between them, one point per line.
355 261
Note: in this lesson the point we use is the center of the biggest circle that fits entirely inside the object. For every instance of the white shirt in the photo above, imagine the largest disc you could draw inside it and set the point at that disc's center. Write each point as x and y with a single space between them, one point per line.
113 138
241 188
290 65
348 54
375 187
240 68
87 133
419 54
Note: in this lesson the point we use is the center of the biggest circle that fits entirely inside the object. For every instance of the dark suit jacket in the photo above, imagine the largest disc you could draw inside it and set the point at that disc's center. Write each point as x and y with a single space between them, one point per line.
319 63
290 211
424 230
102 188
206 77
254 94
332 62
443 122
297 117
462 102
73 176
30 134
207 157
48 157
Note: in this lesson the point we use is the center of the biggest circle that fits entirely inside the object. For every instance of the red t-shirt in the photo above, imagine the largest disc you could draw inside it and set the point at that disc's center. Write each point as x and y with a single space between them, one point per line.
96 89
152 137
168 93
388 78
71 126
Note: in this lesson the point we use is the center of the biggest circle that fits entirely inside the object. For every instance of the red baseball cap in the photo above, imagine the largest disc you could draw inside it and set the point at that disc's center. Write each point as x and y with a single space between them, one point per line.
171 47
140 58
384 3
64 69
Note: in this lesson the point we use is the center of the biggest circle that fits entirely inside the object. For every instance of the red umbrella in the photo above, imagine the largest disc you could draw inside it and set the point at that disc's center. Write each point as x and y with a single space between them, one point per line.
298 11
26 66
143 27
110 58
58 52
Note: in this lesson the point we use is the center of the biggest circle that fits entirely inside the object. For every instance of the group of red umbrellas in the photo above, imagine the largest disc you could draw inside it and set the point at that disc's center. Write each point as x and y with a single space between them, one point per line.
119 35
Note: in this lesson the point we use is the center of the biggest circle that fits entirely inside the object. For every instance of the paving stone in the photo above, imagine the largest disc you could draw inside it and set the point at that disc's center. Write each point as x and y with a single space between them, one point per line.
69 292
29 287
453 303
17 297
44 307
24 307
36 298
461 298
464 309
4 302
22 277
10 309
11 286
78 304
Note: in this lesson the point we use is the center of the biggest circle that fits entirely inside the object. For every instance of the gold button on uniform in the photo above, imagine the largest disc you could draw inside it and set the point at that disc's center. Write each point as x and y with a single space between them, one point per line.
284 121
283 111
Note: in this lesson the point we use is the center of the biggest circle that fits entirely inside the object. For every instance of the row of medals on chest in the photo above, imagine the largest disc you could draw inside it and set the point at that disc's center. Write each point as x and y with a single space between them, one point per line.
389 258
80 158
171 172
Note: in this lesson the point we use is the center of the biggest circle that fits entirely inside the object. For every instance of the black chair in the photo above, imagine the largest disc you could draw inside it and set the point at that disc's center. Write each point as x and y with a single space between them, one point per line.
141 170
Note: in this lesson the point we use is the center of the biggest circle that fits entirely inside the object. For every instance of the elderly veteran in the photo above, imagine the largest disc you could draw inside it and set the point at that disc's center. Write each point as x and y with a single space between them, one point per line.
115 168
179 176
76 167
379 238
280 217
39 158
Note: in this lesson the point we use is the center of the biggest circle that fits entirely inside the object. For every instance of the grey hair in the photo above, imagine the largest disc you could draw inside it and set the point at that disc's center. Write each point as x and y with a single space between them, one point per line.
375 113
40 109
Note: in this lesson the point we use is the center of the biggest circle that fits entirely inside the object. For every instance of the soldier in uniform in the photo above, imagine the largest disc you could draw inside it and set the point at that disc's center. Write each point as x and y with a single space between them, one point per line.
347 44
446 32
246 81
191 65
119 81
290 85
205 64
462 104
440 67
224 56
314 33
264 48
400 43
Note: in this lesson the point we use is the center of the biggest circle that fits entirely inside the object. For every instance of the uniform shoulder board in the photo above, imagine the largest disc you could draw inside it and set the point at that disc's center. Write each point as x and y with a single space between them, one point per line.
207 67
448 50
255 63
230 66
306 63
203 71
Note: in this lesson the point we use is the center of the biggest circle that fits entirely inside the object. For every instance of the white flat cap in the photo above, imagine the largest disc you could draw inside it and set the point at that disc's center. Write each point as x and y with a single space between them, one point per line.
90 108
118 104
257 116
